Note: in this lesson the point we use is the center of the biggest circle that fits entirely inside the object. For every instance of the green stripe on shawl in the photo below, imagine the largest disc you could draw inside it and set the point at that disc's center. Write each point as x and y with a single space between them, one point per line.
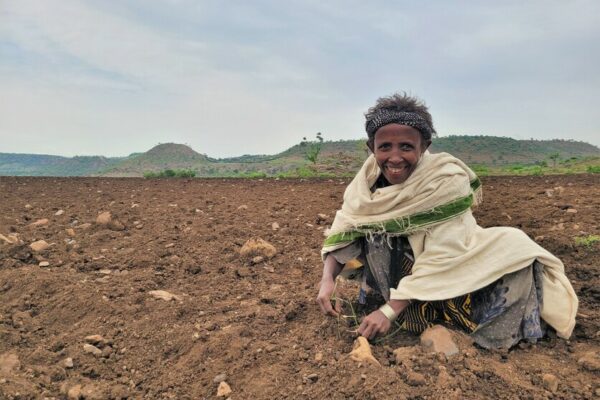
410 223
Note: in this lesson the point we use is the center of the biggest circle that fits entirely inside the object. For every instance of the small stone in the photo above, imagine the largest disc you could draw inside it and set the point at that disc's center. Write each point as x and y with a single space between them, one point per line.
224 389
59 213
74 393
415 379
85 226
8 363
28 206
10 239
70 232
39 222
164 295
539 238
550 382
168 246
104 218
107 351
275 226
362 352
257 247
243 207
116 225
44 264
220 378
438 339
95 339
572 211
590 361
68 362
443 378
91 349
312 378
319 357
257 259
39 245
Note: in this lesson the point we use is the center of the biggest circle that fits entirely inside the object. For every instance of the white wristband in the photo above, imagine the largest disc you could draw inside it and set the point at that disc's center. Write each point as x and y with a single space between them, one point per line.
389 312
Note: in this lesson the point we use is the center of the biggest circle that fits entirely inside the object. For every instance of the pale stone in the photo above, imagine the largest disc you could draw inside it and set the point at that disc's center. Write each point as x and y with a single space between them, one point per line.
44 264
403 355
590 361
224 389
438 339
572 211
39 222
415 379
70 232
319 357
275 226
74 393
243 207
6 239
39 245
257 259
95 339
362 352
89 348
257 247
59 213
164 295
8 363
104 218
550 382
68 362
85 226
220 378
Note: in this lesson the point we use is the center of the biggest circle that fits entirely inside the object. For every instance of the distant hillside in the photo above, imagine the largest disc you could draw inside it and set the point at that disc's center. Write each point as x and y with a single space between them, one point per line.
336 158
160 157
46 165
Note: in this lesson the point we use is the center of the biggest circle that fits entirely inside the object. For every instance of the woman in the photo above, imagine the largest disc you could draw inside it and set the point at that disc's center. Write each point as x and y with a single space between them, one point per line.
407 219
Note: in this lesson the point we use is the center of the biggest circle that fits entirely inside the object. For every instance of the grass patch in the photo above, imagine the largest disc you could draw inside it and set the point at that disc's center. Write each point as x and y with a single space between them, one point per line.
587 241
171 173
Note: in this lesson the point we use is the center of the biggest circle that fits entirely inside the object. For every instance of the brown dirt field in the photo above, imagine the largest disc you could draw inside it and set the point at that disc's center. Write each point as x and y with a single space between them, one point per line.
256 323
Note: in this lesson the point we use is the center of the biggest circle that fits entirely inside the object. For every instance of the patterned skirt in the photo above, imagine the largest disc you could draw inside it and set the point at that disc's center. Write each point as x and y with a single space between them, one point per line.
496 316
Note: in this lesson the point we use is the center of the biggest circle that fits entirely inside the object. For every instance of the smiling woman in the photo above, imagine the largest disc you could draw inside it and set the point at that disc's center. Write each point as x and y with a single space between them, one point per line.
406 218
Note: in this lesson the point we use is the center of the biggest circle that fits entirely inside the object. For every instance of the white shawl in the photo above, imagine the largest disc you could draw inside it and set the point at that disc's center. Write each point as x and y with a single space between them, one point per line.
453 255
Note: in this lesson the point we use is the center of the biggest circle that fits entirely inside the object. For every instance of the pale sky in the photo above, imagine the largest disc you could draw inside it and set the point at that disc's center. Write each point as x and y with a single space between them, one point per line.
229 78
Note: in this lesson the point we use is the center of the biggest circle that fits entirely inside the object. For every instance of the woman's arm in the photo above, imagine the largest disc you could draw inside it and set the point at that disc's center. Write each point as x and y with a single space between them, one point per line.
331 269
378 322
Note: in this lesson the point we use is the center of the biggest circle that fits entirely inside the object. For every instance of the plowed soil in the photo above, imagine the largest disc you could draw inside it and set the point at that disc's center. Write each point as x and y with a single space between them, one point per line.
255 324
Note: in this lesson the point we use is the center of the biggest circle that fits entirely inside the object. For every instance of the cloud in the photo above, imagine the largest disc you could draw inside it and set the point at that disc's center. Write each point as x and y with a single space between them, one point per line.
237 77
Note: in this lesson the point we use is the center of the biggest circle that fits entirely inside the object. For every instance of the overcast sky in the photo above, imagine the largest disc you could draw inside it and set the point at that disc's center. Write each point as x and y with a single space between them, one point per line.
254 77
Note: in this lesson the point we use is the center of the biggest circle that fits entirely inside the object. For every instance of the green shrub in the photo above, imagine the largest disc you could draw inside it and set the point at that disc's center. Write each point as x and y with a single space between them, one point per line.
587 241
593 169
171 173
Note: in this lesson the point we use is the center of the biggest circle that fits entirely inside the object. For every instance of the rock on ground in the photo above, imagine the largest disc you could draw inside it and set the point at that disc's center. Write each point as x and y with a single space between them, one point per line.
257 247
164 295
550 382
224 389
39 245
438 339
362 352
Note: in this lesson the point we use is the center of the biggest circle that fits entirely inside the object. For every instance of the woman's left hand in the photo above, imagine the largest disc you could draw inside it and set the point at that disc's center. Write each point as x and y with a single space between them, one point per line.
374 324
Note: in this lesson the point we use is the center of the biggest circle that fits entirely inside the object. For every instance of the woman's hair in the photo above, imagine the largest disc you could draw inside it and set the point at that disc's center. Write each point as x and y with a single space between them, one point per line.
403 109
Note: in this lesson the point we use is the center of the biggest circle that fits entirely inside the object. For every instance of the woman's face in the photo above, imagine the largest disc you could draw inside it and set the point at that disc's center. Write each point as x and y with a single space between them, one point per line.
397 149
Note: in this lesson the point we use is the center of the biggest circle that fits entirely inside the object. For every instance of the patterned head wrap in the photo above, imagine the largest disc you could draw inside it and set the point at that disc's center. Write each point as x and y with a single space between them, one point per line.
384 117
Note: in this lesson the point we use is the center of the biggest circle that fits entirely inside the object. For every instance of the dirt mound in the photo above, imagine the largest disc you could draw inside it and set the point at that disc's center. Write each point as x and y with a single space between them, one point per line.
87 315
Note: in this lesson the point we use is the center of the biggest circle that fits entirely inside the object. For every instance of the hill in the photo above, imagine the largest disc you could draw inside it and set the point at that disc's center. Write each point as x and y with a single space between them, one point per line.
160 157
47 165
339 158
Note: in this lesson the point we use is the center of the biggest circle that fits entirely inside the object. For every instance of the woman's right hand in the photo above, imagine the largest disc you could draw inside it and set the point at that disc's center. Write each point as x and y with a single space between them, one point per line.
326 292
